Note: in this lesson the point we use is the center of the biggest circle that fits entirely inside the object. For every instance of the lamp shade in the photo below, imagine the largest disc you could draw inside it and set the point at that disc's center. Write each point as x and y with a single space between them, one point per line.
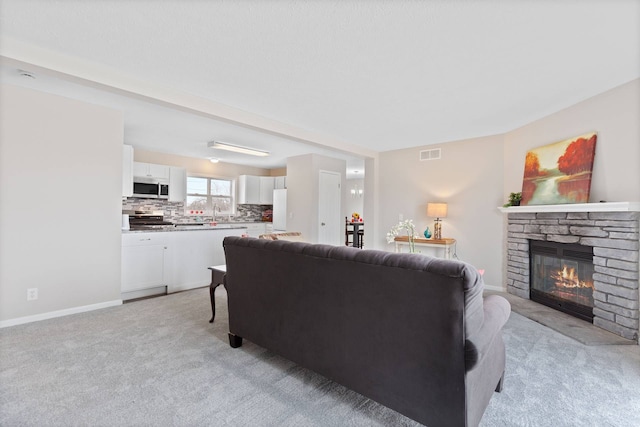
437 210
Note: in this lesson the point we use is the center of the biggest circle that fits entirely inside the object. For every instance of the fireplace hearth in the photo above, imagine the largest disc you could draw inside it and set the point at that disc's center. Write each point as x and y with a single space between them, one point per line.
562 277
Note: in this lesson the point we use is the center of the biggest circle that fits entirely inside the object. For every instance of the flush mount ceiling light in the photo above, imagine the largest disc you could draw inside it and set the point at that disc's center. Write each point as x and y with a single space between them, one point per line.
214 159
236 148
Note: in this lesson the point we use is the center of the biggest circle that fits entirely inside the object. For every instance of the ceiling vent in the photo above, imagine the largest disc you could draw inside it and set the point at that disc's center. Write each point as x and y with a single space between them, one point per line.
433 154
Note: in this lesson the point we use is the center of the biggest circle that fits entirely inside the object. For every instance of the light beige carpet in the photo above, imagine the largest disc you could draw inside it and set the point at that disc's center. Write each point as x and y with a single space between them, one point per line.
158 362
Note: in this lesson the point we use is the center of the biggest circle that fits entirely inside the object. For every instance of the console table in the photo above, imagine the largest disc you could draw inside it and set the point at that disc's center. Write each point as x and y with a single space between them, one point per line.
445 244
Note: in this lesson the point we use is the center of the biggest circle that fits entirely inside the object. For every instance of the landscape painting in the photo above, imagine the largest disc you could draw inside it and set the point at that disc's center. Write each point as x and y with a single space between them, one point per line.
559 173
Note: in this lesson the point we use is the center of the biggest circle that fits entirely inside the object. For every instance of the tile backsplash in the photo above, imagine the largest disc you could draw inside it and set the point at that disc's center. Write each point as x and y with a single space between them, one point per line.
174 211
249 213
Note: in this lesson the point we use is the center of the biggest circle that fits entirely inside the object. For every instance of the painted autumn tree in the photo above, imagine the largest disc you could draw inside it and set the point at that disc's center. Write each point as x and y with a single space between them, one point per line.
531 165
578 157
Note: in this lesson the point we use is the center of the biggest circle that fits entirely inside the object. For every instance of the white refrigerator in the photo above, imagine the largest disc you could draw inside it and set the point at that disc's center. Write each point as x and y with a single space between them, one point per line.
279 210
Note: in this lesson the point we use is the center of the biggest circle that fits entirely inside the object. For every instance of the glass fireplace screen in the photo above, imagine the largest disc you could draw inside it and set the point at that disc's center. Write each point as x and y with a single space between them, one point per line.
562 276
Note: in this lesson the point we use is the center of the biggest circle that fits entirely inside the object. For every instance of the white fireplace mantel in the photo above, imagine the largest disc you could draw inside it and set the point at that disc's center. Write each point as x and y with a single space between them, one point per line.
576 207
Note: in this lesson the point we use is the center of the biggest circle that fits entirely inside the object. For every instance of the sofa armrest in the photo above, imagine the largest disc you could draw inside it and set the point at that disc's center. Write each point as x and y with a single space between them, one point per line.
496 313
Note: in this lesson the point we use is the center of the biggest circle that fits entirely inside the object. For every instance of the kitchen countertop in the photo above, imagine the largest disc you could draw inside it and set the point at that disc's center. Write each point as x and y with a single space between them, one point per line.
172 229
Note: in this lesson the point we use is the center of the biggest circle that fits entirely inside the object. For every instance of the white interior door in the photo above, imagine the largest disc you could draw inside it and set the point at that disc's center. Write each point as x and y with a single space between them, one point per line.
330 194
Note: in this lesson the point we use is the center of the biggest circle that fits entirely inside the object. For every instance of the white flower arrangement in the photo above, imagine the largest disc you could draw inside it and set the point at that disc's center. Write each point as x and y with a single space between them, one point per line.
403 226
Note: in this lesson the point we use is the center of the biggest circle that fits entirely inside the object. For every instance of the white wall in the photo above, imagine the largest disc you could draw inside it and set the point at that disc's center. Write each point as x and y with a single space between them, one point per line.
475 176
60 203
468 178
371 205
615 116
353 204
68 155
303 192
301 204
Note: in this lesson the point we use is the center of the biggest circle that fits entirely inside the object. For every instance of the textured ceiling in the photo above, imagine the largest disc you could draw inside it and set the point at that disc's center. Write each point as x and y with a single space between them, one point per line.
376 74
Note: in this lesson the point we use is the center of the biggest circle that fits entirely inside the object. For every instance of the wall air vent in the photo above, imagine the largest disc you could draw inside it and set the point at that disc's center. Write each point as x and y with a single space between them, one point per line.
433 154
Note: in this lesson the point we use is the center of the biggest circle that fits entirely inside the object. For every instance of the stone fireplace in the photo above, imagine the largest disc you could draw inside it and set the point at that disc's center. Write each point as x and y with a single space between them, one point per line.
608 231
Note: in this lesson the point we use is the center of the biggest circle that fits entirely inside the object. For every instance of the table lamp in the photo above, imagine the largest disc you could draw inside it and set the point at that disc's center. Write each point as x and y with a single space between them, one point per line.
437 211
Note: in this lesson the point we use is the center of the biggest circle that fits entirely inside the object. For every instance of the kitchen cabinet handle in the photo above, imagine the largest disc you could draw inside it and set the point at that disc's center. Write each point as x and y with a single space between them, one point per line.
322 224
142 240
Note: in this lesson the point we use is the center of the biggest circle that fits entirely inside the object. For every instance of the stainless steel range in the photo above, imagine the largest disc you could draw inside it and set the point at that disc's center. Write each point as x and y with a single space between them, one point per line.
147 220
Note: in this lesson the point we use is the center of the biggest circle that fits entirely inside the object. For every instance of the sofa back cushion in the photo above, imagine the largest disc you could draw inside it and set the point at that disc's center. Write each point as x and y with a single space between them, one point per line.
465 275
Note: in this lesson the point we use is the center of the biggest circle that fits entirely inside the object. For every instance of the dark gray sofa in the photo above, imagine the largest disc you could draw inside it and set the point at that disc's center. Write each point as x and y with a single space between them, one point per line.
409 331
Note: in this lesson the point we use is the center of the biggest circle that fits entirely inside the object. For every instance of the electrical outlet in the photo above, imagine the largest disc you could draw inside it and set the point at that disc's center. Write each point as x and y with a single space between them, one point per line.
32 294
400 217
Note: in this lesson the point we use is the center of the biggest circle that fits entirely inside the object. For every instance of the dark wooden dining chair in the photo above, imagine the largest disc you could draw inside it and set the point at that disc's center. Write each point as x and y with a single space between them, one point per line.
348 231
361 237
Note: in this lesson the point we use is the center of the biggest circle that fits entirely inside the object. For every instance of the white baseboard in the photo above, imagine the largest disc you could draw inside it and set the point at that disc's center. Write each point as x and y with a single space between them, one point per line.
58 313
160 290
187 286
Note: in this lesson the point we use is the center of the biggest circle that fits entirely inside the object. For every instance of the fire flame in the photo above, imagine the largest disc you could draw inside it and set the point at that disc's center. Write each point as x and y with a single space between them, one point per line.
568 278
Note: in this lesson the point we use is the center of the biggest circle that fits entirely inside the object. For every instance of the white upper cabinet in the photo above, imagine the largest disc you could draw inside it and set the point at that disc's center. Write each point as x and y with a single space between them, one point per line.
280 183
140 169
127 171
177 184
266 190
248 190
151 170
255 190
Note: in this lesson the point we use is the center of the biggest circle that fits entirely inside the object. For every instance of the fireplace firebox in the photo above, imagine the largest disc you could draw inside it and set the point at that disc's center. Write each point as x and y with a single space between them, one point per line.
562 277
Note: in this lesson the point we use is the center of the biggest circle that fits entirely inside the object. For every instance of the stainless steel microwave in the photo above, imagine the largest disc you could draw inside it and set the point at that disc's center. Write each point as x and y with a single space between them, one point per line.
150 188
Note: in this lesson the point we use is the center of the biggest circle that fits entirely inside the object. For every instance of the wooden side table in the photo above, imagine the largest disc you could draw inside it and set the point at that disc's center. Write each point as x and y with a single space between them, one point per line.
217 279
445 244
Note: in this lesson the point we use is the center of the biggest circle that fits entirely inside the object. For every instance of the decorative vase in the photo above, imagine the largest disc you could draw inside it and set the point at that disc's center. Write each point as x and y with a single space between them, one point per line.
427 233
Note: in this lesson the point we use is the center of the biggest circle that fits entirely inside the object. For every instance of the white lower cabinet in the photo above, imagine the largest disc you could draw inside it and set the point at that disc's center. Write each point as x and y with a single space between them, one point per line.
166 262
193 252
143 267
144 264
